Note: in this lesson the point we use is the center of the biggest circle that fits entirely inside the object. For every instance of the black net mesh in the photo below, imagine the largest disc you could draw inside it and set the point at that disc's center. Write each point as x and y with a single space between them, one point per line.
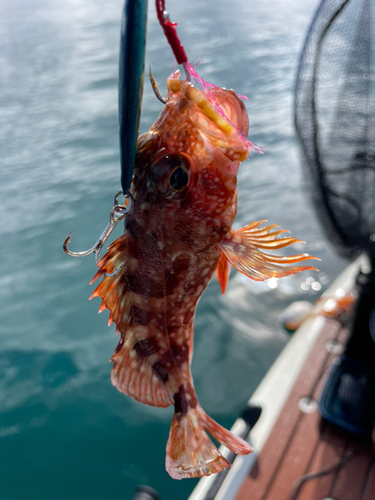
335 120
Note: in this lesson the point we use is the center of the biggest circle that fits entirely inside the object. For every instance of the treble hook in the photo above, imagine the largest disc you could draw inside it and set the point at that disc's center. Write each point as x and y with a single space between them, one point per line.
155 88
123 210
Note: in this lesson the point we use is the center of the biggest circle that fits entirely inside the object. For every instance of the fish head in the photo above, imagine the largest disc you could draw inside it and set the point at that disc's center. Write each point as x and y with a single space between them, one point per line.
185 175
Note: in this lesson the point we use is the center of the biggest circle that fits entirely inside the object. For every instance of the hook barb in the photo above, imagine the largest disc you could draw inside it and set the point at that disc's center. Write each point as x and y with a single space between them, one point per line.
80 254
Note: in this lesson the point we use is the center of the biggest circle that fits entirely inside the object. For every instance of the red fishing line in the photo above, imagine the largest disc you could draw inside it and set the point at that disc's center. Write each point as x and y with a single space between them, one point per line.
170 32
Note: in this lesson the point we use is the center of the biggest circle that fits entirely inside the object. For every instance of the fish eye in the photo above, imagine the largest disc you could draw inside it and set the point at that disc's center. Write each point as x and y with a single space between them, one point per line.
178 179
170 175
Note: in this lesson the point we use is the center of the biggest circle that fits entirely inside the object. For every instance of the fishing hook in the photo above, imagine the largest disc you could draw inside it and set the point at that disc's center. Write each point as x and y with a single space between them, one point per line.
155 88
118 213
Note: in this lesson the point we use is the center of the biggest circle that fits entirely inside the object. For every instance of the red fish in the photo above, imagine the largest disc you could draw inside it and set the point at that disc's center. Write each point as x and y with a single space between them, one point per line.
177 234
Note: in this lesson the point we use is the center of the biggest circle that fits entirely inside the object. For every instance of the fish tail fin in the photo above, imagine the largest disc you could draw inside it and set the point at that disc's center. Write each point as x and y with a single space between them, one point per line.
231 441
191 453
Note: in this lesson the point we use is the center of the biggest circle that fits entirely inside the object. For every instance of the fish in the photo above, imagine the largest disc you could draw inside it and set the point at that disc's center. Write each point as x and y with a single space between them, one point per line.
177 235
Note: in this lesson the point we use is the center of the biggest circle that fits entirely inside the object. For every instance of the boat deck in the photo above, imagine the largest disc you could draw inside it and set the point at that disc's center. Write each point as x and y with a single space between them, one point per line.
304 457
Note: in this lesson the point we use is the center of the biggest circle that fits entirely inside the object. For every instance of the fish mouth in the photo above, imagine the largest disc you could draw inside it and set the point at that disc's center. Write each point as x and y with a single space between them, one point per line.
218 114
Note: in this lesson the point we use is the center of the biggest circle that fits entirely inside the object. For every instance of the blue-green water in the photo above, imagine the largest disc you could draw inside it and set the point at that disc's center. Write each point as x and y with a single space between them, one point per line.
65 432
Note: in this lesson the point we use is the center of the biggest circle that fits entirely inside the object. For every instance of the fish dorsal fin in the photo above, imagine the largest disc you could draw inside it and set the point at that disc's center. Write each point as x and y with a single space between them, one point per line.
222 272
136 370
244 250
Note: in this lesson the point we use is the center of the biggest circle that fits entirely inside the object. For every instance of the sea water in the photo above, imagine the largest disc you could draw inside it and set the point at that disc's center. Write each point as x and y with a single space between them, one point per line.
65 432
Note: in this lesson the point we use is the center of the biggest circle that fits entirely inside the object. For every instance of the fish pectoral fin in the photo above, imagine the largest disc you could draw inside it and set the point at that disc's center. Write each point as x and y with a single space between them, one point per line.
191 453
244 250
222 272
136 376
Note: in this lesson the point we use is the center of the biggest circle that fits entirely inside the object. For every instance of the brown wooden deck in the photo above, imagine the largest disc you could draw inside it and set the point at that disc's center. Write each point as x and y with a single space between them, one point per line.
306 458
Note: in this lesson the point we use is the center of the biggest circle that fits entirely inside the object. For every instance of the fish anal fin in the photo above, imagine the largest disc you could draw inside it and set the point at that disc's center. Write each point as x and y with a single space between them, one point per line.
135 374
244 250
191 453
222 272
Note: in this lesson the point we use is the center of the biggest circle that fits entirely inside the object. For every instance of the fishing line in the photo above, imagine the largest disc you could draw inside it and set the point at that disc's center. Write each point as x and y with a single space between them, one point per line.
170 32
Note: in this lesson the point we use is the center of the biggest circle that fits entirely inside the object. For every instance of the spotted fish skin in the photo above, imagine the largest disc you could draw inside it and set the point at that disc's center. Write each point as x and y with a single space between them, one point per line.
179 229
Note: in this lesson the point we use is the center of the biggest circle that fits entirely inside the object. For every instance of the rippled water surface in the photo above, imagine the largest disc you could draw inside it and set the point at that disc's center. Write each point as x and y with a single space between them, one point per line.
65 432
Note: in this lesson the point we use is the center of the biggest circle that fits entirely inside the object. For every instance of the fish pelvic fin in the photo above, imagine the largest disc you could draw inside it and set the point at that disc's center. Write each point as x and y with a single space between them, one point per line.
244 250
191 453
222 272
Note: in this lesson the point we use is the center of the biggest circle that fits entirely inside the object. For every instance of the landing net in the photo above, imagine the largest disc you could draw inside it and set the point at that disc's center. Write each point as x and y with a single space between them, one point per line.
335 121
